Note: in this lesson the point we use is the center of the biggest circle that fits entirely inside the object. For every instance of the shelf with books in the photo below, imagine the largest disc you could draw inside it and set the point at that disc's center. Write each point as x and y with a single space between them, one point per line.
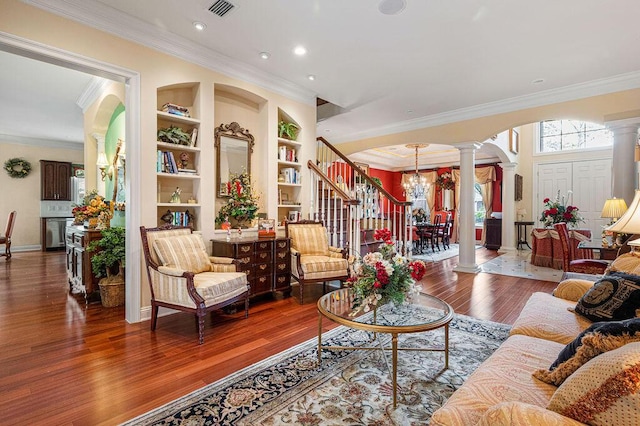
178 154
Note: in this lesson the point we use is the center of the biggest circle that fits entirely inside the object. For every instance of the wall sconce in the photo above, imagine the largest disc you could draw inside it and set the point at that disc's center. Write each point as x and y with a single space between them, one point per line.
102 163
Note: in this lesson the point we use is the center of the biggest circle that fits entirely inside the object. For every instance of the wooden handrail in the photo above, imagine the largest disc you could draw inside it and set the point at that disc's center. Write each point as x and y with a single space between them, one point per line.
345 197
373 183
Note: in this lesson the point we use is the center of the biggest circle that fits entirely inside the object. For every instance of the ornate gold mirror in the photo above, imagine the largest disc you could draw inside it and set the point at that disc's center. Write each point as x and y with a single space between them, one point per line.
234 146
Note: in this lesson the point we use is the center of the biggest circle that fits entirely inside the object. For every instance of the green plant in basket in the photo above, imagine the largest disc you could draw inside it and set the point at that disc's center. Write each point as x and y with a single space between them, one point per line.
110 257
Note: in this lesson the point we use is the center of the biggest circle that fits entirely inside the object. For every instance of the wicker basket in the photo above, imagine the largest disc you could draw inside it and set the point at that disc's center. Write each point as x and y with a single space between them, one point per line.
111 293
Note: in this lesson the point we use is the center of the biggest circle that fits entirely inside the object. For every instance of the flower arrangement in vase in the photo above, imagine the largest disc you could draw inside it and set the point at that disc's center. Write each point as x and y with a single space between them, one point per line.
384 276
242 205
93 210
557 211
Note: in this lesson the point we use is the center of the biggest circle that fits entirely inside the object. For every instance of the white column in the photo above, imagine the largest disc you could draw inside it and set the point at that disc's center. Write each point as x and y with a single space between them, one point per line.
100 184
508 207
466 218
624 174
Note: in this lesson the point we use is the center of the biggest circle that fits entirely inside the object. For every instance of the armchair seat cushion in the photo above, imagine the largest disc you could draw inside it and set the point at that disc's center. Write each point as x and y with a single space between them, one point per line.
588 266
318 267
216 287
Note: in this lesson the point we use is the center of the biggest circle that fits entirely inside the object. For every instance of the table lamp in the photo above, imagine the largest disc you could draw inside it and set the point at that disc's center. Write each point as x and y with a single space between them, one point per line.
629 222
613 209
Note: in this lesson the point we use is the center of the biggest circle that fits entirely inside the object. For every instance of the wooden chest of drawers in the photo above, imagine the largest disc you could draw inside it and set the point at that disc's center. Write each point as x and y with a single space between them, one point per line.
267 262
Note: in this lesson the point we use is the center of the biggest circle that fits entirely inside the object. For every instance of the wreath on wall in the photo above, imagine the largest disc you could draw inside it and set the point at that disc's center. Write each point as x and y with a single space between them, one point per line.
17 167
445 181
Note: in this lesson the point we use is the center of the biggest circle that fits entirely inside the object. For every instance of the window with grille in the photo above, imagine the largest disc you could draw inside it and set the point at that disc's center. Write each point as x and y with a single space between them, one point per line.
566 135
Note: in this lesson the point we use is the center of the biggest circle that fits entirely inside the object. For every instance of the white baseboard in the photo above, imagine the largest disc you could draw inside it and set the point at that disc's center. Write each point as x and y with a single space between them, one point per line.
17 249
145 312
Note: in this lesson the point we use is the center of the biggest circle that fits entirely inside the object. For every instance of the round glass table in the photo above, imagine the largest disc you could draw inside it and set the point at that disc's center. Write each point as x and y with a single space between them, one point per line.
422 313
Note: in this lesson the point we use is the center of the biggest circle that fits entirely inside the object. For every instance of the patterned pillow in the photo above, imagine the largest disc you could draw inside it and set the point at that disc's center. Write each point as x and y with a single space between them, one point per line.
600 337
614 297
604 391
186 252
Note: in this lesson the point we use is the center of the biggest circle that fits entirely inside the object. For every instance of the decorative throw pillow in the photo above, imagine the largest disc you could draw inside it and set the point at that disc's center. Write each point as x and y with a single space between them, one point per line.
186 252
628 263
604 391
600 337
614 297
572 289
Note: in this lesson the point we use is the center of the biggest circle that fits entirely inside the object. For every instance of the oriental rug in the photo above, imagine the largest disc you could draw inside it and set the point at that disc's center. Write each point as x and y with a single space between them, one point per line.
349 387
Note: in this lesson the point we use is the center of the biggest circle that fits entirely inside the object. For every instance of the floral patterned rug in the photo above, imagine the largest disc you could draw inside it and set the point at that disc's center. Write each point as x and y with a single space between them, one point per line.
350 387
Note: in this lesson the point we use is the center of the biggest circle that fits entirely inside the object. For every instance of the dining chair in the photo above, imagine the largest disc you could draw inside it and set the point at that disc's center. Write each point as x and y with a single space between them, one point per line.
431 234
569 264
6 238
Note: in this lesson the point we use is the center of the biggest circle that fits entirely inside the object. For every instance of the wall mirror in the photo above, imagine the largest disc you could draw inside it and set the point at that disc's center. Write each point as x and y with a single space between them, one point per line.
234 146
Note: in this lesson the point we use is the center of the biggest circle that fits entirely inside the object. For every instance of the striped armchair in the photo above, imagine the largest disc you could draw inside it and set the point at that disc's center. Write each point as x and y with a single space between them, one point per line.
183 277
312 259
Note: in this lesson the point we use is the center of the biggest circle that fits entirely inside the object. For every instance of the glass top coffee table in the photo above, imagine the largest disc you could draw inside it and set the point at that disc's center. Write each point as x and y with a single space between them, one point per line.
424 313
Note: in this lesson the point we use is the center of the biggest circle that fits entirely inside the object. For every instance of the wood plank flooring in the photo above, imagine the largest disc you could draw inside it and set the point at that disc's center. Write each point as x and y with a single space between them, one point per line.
66 363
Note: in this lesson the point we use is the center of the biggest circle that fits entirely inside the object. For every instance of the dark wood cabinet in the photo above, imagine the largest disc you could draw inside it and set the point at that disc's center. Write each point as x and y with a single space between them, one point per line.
55 180
267 262
493 239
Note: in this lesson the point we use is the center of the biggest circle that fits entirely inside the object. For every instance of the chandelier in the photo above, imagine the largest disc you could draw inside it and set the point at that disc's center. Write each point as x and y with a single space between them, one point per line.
416 184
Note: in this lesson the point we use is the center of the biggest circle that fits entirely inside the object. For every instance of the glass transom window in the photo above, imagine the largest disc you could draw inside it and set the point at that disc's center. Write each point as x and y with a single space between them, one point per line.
565 135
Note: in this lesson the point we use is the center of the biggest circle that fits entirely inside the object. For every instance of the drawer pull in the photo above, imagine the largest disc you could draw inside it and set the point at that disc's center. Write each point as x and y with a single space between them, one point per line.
281 279
262 279
282 244
264 255
244 260
263 245
282 267
282 255
263 267
245 249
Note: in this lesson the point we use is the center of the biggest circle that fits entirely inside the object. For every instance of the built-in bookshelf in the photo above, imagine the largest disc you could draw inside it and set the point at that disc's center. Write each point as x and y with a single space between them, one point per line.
289 175
178 164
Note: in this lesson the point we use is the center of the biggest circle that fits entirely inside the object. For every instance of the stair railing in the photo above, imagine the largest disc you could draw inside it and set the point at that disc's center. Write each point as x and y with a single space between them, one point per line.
364 204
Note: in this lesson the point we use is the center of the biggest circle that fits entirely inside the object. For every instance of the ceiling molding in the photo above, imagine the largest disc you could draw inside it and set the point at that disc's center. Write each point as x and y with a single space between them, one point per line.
92 92
102 17
572 92
49 143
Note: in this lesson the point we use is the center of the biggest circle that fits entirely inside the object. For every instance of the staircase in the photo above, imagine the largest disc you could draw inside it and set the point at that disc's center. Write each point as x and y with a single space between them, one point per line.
351 205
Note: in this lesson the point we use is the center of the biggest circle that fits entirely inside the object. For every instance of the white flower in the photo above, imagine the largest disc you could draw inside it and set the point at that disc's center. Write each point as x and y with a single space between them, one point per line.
372 258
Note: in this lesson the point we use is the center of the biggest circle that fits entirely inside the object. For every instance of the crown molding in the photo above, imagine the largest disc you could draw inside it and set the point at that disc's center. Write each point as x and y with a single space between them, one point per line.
49 143
105 18
572 92
92 92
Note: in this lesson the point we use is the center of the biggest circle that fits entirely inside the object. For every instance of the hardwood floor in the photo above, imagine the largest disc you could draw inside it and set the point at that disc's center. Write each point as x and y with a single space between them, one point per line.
66 363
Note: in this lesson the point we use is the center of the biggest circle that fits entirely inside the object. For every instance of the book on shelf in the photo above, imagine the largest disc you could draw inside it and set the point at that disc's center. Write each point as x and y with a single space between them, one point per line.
188 171
194 136
176 109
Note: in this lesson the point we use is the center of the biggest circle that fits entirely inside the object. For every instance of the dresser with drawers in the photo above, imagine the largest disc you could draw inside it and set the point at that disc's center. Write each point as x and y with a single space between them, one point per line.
267 262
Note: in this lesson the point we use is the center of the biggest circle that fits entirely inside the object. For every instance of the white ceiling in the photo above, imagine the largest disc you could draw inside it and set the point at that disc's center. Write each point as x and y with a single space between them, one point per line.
437 61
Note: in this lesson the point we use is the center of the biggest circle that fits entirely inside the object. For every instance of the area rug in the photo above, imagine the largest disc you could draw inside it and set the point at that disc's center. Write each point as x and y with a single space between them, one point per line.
436 256
349 387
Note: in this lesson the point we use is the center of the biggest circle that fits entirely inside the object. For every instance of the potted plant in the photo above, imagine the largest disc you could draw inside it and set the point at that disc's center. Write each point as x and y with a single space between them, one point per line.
288 130
242 205
175 135
109 262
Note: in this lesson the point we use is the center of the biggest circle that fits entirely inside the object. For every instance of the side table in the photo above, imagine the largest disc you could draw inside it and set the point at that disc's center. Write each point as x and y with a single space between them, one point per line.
522 234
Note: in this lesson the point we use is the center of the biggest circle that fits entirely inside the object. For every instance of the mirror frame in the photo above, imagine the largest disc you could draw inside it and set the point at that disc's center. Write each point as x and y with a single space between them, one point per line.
235 131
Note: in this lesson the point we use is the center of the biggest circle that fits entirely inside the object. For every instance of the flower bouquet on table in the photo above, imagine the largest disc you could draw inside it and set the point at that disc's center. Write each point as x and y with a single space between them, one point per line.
383 276
557 211
93 210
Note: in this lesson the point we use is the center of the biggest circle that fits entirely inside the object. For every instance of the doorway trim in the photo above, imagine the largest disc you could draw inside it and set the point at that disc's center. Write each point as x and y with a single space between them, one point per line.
42 52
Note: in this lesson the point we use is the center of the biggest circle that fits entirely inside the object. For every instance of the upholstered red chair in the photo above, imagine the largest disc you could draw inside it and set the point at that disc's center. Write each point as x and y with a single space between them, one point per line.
6 238
582 266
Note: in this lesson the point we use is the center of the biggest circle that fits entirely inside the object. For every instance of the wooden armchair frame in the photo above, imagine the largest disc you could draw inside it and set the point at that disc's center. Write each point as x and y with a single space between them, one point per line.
199 308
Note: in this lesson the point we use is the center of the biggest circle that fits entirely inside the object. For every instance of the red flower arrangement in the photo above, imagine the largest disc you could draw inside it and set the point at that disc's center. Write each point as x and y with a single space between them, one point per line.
556 211
384 275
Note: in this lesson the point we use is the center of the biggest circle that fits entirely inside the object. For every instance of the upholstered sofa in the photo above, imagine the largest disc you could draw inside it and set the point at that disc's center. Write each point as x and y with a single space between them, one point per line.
503 391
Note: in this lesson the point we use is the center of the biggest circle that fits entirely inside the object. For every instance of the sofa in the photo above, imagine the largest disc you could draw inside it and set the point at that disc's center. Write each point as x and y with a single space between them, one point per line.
504 391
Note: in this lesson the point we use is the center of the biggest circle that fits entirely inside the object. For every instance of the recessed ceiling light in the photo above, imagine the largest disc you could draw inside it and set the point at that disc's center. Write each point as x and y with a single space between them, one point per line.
538 81
391 7
200 26
311 77
265 55
300 50
409 111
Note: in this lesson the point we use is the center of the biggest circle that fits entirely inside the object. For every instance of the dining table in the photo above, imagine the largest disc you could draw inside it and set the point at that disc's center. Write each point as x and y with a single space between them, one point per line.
424 231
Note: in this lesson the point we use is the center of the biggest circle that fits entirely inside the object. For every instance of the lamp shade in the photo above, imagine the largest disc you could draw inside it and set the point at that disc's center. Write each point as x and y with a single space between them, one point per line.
102 160
629 223
614 208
